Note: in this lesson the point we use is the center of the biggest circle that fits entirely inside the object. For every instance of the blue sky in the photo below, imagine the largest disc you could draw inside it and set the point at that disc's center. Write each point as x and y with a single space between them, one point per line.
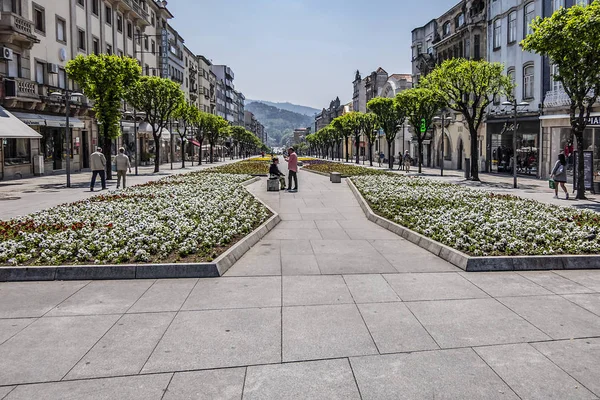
303 51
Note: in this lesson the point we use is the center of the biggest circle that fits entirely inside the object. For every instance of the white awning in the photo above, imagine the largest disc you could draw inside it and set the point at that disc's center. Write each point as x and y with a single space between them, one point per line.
30 119
61 121
145 127
11 127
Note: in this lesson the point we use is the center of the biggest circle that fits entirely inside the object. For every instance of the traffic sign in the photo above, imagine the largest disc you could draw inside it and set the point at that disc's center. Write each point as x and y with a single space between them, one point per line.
423 125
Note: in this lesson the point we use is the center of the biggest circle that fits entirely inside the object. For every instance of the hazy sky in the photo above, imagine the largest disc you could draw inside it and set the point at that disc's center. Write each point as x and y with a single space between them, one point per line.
303 51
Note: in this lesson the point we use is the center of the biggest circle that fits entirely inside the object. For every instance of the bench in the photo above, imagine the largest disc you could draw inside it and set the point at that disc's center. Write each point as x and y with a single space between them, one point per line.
335 177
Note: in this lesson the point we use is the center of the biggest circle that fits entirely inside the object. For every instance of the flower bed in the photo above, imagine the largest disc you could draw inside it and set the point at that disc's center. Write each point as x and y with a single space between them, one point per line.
245 167
478 222
280 157
193 218
344 169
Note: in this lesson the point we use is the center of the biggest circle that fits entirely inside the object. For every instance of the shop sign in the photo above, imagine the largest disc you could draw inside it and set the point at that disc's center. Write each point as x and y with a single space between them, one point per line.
588 170
593 121
164 56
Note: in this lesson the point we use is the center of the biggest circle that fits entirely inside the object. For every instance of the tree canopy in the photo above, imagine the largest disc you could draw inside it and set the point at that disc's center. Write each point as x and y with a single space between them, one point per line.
369 125
390 115
469 87
187 115
571 39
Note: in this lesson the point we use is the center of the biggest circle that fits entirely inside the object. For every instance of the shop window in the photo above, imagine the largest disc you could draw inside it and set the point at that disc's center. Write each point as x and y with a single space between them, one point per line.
17 151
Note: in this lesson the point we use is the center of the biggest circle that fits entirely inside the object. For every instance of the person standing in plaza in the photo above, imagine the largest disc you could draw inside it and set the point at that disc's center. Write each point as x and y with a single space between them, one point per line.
559 174
123 164
293 170
98 164
407 160
400 161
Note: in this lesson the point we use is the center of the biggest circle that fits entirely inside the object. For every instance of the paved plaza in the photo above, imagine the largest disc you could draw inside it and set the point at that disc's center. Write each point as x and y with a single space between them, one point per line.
327 306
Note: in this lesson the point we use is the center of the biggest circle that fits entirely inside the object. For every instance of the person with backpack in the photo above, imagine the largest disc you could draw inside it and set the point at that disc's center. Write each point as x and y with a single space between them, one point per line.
559 175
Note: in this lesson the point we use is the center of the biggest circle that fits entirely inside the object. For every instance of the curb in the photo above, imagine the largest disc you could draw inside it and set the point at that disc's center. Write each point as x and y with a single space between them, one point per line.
478 264
146 271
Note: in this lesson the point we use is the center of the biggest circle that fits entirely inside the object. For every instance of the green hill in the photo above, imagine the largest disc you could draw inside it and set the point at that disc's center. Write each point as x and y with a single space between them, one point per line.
279 124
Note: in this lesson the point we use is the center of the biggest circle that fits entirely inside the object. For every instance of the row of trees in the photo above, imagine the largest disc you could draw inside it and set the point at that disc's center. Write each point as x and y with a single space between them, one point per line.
109 79
570 38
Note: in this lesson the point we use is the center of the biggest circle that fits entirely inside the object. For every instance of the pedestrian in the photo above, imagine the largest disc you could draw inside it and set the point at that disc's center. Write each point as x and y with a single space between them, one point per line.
407 160
98 164
559 174
293 170
275 172
400 161
123 164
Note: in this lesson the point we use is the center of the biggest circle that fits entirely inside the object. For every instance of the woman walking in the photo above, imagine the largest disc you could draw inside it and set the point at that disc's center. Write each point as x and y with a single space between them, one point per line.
559 174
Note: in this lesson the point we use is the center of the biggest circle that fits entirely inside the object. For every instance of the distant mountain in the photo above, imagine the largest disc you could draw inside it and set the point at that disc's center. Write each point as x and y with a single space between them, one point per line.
309 111
279 123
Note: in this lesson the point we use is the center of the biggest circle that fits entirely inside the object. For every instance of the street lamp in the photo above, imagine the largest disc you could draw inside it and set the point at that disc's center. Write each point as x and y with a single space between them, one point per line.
443 120
67 99
515 107
135 114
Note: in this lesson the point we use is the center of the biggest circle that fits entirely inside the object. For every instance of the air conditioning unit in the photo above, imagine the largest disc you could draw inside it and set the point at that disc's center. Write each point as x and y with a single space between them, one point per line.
52 68
6 53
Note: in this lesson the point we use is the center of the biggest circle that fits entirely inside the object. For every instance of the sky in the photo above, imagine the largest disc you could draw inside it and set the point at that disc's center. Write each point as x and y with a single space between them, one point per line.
303 51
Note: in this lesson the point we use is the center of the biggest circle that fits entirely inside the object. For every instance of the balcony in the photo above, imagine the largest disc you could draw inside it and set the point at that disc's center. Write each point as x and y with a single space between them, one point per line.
16 29
142 15
21 90
556 98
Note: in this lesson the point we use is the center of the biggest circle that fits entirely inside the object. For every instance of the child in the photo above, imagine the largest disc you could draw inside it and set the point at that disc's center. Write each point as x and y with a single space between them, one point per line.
275 172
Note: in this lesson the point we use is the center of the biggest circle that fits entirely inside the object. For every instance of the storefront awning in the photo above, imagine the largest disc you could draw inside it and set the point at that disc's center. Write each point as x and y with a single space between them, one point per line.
56 121
145 127
12 127
194 142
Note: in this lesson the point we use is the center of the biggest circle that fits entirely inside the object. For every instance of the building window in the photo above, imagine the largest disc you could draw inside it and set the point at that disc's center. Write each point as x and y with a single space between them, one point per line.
120 53
17 151
39 19
529 15
446 29
528 82
81 3
511 75
581 2
556 85
459 20
40 72
108 12
14 66
62 78
153 47
81 39
96 46
146 42
497 33
512 27
138 36
61 30
557 4
476 47
119 23
95 7
147 67
129 30
152 17
109 49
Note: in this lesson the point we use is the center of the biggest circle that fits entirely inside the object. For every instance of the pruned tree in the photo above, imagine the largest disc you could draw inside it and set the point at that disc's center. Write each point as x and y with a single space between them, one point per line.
218 129
420 106
345 126
203 126
571 39
390 116
369 125
187 115
469 87
105 79
159 98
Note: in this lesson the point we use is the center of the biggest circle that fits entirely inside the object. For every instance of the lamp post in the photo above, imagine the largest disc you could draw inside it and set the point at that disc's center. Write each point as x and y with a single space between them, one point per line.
67 98
515 107
443 120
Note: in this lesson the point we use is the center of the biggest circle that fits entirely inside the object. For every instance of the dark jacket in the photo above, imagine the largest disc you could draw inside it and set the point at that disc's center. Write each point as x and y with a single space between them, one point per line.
274 170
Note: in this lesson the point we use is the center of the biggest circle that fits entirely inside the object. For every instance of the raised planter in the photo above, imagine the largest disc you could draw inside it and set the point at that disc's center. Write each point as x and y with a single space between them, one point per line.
145 271
473 264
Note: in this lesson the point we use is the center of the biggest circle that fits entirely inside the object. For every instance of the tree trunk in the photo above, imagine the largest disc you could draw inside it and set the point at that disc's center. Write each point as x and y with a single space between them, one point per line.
475 157
156 152
182 153
347 150
200 152
390 158
370 153
357 140
580 167
420 155
211 153
106 150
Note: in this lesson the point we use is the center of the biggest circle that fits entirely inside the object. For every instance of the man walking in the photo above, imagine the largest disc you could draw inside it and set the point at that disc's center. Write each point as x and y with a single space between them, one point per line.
407 161
98 164
400 161
123 164
293 170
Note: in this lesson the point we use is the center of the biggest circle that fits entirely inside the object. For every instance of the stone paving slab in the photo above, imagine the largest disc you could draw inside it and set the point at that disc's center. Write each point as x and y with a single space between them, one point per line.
331 331
218 339
579 358
225 384
555 283
507 284
589 279
326 380
315 290
299 265
34 299
370 289
10 327
590 301
433 286
473 322
164 295
125 348
555 316
5 390
147 387
429 375
530 374
47 349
